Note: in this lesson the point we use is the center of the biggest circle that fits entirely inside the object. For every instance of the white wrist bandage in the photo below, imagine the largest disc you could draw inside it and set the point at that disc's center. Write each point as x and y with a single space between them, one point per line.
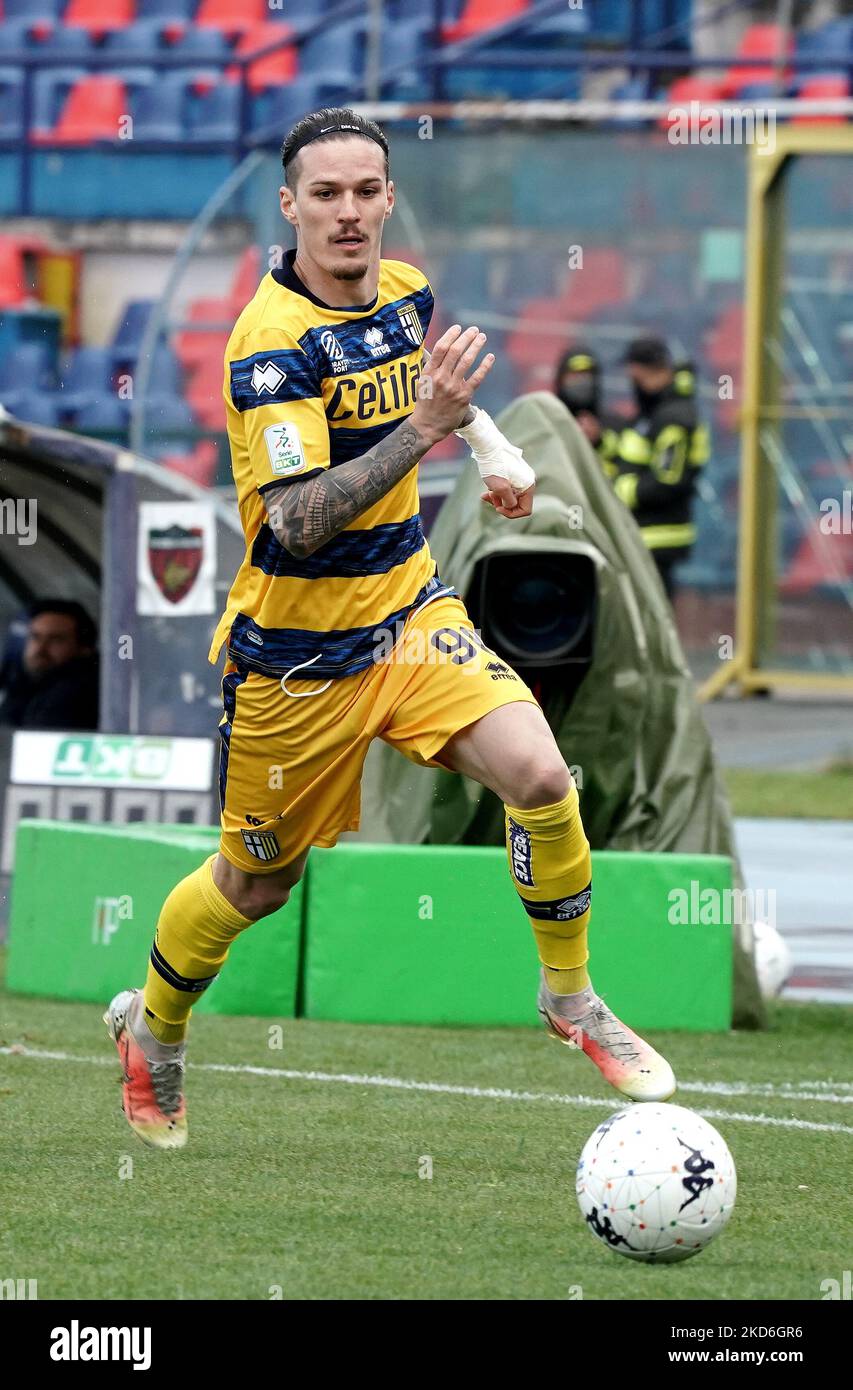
493 453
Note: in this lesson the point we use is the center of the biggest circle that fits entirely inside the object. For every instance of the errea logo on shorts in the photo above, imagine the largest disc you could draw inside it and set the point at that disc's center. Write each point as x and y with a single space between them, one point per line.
267 378
284 447
76 1343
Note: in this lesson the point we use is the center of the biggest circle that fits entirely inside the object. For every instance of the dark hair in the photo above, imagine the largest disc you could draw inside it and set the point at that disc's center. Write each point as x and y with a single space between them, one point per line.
648 351
87 633
326 124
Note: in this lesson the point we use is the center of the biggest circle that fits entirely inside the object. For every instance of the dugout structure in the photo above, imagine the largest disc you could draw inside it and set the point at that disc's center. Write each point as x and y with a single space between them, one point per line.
794 609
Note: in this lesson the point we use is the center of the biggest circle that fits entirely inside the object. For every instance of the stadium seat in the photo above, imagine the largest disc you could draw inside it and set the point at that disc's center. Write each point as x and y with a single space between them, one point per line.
93 110
195 347
87 373
213 112
11 119
99 16
158 111
278 108
165 375
167 414
26 9
131 330
823 88
50 90
765 43
29 367
832 42
274 70
76 43
404 44
199 466
139 41
201 45
481 15
37 407
103 415
704 90
231 16
334 55
165 10
246 277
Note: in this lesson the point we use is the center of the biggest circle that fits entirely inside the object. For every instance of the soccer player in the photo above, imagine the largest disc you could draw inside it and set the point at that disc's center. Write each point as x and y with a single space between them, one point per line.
339 630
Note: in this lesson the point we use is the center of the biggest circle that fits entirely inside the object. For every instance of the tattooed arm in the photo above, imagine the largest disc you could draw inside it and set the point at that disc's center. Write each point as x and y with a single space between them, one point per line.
305 515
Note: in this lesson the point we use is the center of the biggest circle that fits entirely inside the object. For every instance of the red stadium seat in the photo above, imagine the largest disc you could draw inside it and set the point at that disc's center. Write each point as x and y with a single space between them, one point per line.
706 90
231 16
13 290
480 15
246 279
199 466
276 69
826 88
724 343
93 110
99 17
196 347
821 558
765 42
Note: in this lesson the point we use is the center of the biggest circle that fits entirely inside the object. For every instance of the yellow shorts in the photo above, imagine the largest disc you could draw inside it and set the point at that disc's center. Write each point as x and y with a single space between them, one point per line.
291 763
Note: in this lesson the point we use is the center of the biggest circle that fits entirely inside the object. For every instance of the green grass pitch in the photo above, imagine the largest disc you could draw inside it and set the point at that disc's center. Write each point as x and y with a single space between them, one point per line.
309 1188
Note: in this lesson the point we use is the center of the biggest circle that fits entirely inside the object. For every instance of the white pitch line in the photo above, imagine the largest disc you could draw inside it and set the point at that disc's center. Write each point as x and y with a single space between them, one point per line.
398 1083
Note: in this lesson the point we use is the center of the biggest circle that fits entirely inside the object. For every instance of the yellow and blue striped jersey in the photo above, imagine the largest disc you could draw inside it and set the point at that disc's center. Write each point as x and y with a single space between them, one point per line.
307 387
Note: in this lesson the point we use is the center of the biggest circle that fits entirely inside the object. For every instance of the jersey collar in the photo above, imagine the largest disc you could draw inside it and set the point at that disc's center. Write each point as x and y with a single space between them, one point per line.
286 276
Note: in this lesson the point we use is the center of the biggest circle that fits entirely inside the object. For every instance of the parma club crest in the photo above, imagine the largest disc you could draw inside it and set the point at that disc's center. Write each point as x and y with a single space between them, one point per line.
411 323
175 558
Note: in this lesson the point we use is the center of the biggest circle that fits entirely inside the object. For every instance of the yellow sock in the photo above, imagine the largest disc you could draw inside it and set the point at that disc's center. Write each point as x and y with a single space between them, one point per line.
196 927
551 871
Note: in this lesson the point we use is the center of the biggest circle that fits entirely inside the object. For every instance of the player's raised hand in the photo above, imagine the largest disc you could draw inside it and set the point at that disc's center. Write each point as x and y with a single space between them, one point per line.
505 499
444 390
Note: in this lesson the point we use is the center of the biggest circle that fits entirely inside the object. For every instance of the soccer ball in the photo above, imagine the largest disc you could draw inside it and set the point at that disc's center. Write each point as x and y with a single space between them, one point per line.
773 959
656 1182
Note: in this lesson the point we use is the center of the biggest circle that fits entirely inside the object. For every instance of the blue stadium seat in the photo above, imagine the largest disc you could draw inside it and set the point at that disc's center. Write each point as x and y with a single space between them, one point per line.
834 41
50 88
165 10
139 41
76 43
166 376
404 44
300 12
38 407
280 107
167 414
103 415
158 111
87 372
32 10
201 45
28 367
214 114
131 330
11 88
335 54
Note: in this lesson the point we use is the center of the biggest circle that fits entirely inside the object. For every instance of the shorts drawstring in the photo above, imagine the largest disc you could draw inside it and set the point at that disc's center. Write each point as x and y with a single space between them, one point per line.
299 694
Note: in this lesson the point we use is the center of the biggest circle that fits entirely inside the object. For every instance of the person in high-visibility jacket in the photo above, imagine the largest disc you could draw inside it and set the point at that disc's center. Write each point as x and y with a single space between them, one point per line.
659 454
577 383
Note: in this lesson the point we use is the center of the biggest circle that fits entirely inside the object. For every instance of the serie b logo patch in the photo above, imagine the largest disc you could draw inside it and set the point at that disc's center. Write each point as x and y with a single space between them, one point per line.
262 844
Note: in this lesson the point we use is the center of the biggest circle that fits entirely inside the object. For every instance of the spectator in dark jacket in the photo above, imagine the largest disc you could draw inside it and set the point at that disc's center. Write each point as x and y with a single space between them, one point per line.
55 684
